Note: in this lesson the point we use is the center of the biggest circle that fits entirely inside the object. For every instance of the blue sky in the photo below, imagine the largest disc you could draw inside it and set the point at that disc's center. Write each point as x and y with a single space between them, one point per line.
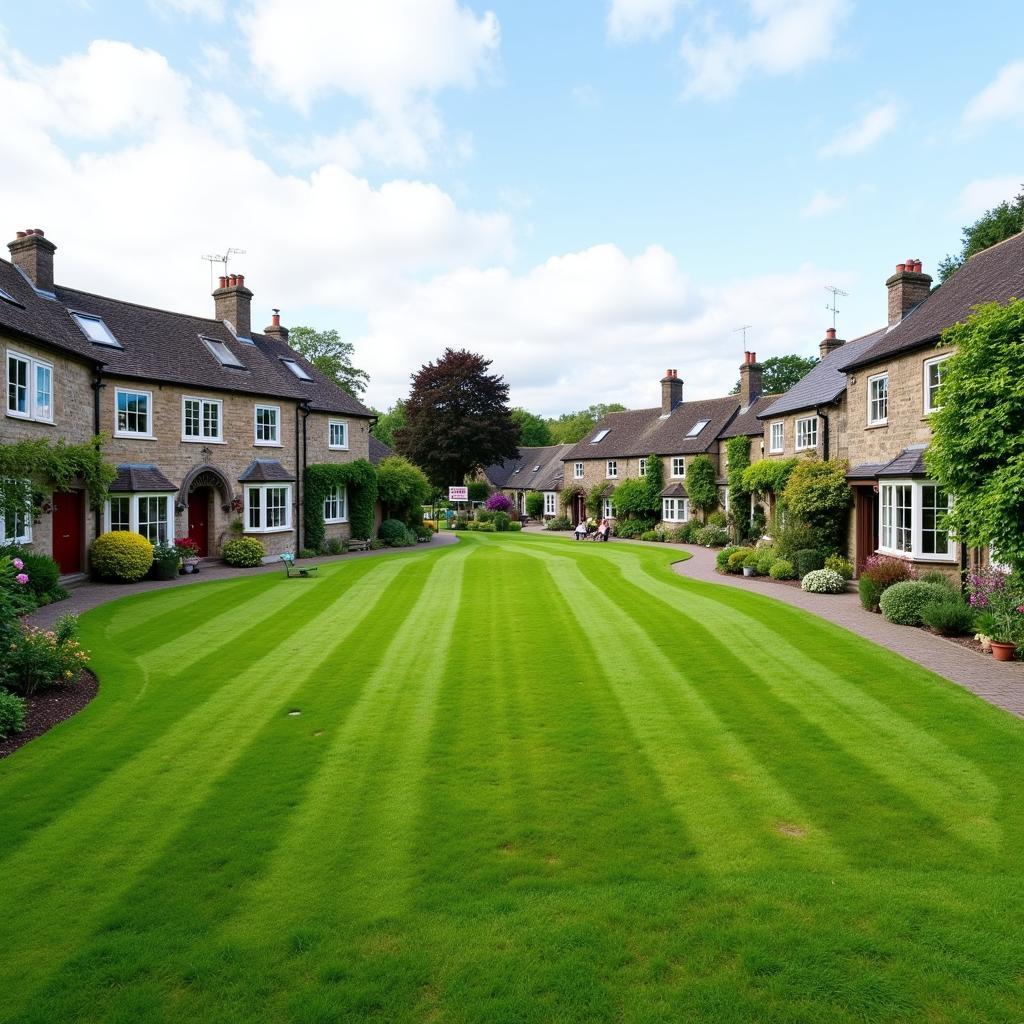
586 192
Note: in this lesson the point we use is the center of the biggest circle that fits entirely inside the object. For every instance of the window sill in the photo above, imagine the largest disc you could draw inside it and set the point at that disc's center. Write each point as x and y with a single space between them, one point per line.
337 448
267 444
202 440
334 522
804 448
269 529
135 437
876 426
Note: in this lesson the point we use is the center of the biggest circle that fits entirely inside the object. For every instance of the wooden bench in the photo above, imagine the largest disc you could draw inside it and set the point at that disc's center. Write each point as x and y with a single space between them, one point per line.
291 570
358 545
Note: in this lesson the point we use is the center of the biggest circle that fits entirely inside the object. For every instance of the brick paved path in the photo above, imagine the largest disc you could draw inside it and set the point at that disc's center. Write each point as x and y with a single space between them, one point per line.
1000 683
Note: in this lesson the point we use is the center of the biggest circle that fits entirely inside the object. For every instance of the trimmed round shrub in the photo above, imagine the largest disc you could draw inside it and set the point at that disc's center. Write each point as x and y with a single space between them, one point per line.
766 558
501 521
841 565
902 603
722 558
781 569
736 560
515 526
751 561
949 616
394 533
12 714
823 581
243 553
558 523
808 560
121 555
712 537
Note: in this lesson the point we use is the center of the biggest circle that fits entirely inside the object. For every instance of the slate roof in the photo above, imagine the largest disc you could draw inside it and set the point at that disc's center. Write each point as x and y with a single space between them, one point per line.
993 275
160 345
520 474
825 381
674 491
646 432
265 471
138 477
909 462
378 451
866 470
747 423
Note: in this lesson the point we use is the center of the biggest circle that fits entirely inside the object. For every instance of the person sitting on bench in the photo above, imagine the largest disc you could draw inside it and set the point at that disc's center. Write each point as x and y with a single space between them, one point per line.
603 530
581 530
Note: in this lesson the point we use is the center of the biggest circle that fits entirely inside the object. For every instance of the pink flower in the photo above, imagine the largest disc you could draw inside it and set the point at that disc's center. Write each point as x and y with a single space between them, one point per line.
18 564
21 578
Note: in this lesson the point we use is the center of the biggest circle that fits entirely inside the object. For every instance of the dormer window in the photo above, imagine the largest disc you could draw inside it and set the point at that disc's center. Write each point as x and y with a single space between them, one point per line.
95 329
222 353
599 436
697 428
296 369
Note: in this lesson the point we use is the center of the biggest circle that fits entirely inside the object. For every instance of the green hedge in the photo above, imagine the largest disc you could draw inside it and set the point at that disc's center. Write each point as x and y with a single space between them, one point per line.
360 478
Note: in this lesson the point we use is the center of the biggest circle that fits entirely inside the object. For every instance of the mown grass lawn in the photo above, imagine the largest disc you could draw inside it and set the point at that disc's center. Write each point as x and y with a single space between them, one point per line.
531 781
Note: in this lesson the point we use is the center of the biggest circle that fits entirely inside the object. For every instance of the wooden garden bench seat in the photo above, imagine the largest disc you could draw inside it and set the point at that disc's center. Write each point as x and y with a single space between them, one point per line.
292 570
358 545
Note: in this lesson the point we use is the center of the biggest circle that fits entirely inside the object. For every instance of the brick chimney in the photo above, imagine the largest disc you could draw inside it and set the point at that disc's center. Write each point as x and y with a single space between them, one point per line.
907 287
671 391
275 330
232 302
750 379
33 255
830 342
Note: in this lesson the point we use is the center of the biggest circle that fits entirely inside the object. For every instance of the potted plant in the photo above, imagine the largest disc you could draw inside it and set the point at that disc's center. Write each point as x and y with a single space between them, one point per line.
188 552
165 562
999 597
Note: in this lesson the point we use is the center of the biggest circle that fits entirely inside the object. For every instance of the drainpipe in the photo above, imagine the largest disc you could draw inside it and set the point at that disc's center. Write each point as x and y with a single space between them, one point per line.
97 386
304 407
824 434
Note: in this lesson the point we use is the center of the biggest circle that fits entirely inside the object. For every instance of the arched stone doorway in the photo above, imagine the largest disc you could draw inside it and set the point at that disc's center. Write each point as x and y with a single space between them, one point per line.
198 499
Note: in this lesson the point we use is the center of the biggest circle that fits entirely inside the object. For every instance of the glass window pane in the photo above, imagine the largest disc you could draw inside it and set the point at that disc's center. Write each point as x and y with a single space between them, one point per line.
254 508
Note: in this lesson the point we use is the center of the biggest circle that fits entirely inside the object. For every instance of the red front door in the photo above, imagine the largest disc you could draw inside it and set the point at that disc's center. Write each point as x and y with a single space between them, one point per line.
68 524
198 513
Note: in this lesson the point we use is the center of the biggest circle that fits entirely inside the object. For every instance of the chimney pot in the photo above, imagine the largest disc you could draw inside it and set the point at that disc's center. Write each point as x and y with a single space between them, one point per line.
900 267
19 234
39 232
32 254
232 280
830 333
241 280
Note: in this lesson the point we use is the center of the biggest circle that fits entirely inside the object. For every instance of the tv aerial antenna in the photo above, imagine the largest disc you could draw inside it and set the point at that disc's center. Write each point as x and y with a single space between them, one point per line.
222 259
836 292
743 330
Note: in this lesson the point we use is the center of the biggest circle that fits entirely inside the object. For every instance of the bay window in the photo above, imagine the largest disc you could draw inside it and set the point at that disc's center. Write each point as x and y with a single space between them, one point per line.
268 508
151 515
675 510
336 505
911 520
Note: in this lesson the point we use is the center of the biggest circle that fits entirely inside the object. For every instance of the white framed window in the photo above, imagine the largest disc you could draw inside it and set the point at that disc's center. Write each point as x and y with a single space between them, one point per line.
611 470
675 510
878 399
268 508
29 388
577 470
678 466
608 509
933 371
336 505
641 466
550 503
16 528
132 413
268 425
202 420
777 436
152 515
911 520
806 433
337 434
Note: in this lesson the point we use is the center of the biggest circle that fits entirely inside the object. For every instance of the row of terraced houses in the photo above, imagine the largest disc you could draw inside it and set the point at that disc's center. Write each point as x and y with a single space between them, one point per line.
867 401
208 421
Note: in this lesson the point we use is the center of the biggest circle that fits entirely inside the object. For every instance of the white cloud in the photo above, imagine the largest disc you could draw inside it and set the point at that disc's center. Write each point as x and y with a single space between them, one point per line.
984 193
863 134
634 19
596 325
213 10
784 36
821 203
1002 98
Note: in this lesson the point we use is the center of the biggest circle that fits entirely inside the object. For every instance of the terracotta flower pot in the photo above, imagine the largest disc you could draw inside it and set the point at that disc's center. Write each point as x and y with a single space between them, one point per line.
1003 652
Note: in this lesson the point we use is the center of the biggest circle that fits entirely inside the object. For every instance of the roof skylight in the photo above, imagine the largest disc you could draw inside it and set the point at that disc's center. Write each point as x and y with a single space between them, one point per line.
7 297
599 436
535 468
223 354
95 329
296 369
697 428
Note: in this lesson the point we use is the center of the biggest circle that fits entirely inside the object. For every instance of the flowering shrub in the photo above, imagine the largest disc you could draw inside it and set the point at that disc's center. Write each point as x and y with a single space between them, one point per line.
840 565
823 581
999 596
881 572
37 658
187 547
498 503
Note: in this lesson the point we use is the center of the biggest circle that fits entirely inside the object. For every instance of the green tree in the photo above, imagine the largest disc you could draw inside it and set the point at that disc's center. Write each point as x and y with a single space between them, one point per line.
331 356
738 455
977 447
817 494
632 500
654 480
534 431
995 225
402 489
571 427
535 505
780 373
457 418
388 422
701 486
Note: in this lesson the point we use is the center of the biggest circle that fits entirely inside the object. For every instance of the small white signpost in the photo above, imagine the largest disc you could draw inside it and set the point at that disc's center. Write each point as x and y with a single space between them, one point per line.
458 494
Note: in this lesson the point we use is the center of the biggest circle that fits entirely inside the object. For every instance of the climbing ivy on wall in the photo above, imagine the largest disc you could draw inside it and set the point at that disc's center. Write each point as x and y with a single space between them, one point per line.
360 478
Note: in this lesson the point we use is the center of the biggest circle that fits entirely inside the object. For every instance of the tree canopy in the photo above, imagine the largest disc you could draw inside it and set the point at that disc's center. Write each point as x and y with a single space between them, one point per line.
995 225
457 418
977 447
816 493
388 422
331 356
534 431
701 486
402 488
571 427
780 373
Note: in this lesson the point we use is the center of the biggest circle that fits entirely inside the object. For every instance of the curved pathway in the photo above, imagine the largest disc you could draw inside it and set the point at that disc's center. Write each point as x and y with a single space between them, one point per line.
999 683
